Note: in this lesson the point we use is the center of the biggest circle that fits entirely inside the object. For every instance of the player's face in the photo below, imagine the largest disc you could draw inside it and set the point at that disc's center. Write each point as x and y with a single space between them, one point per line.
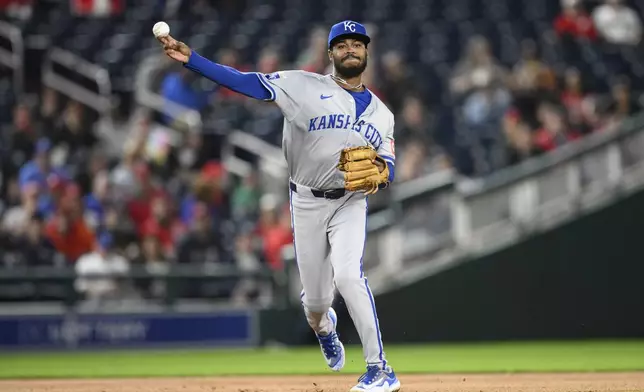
349 57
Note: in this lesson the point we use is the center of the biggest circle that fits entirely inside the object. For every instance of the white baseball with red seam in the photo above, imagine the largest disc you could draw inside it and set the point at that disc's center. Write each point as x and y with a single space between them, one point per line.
161 29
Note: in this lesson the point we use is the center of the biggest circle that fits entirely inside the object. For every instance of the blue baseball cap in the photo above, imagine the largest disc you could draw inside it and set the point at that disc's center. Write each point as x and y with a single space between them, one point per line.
348 28
105 240
43 145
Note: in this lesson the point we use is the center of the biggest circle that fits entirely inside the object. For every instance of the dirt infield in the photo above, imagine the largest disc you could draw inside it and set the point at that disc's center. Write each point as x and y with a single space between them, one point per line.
411 383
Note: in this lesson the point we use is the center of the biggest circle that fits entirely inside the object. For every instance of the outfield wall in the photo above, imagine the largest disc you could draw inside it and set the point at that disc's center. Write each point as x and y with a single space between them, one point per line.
582 280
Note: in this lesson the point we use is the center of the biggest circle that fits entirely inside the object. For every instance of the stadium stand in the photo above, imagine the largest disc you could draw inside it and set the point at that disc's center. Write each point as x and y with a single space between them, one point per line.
476 85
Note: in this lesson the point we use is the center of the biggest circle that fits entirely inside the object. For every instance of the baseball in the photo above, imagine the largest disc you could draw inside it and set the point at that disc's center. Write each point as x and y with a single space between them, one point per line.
161 29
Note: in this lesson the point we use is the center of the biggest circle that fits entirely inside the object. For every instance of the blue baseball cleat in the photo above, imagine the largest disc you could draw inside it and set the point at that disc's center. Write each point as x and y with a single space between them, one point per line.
378 380
331 346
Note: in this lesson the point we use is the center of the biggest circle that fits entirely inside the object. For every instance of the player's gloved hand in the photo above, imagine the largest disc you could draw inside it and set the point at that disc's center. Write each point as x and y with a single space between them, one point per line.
362 169
176 50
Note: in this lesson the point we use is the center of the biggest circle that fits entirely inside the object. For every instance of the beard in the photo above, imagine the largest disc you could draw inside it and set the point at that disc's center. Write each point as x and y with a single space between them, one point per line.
349 71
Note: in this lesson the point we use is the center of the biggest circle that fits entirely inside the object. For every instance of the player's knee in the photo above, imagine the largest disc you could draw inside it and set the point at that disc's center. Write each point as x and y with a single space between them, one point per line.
346 283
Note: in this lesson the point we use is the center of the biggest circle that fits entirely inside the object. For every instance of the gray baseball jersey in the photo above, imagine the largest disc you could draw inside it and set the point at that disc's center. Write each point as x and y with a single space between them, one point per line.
320 120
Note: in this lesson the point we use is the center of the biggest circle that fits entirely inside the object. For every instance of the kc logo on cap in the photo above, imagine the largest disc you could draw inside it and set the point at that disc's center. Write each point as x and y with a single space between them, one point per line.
350 26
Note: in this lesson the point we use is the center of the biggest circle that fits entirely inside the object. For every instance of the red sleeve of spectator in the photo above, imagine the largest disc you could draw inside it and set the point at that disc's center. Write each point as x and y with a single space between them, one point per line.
543 140
561 25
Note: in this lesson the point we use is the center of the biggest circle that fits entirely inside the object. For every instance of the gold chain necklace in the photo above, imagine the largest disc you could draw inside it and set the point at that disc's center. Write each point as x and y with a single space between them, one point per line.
338 79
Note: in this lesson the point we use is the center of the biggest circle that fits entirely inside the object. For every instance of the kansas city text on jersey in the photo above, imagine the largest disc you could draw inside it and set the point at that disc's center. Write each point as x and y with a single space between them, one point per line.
342 121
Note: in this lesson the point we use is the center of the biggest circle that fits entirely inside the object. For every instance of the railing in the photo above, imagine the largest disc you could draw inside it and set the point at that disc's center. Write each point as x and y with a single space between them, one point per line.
415 225
270 160
28 283
13 57
62 71
148 98
544 192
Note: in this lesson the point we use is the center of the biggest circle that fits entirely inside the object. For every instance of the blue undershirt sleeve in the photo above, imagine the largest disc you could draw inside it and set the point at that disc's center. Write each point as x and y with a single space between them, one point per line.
247 84
392 175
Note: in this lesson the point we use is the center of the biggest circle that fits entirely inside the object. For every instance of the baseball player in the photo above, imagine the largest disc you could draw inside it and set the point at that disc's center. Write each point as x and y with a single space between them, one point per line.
339 145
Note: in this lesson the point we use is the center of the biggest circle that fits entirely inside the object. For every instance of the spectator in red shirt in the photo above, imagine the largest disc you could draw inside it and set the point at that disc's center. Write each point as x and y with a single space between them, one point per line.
163 224
554 131
139 208
275 231
574 21
70 235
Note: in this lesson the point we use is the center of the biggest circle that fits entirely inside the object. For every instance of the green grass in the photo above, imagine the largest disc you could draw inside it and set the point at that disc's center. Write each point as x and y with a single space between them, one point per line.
441 358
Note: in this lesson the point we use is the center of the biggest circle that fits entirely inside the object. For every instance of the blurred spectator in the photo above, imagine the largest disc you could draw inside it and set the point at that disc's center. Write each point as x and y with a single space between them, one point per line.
202 244
74 135
13 195
160 151
104 262
19 9
601 114
415 124
22 139
49 107
368 77
314 58
572 98
87 173
96 8
182 87
248 261
245 198
554 131
208 187
16 218
51 197
163 224
518 134
96 201
617 23
574 21
274 229
117 222
269 61
397 80
33 248
417 159
531 76
153 260
139 206
39 168
70 235
477 70
124 177
625 103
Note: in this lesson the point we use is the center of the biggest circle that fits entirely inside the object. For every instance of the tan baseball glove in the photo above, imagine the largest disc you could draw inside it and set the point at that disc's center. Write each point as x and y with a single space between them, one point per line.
361 172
